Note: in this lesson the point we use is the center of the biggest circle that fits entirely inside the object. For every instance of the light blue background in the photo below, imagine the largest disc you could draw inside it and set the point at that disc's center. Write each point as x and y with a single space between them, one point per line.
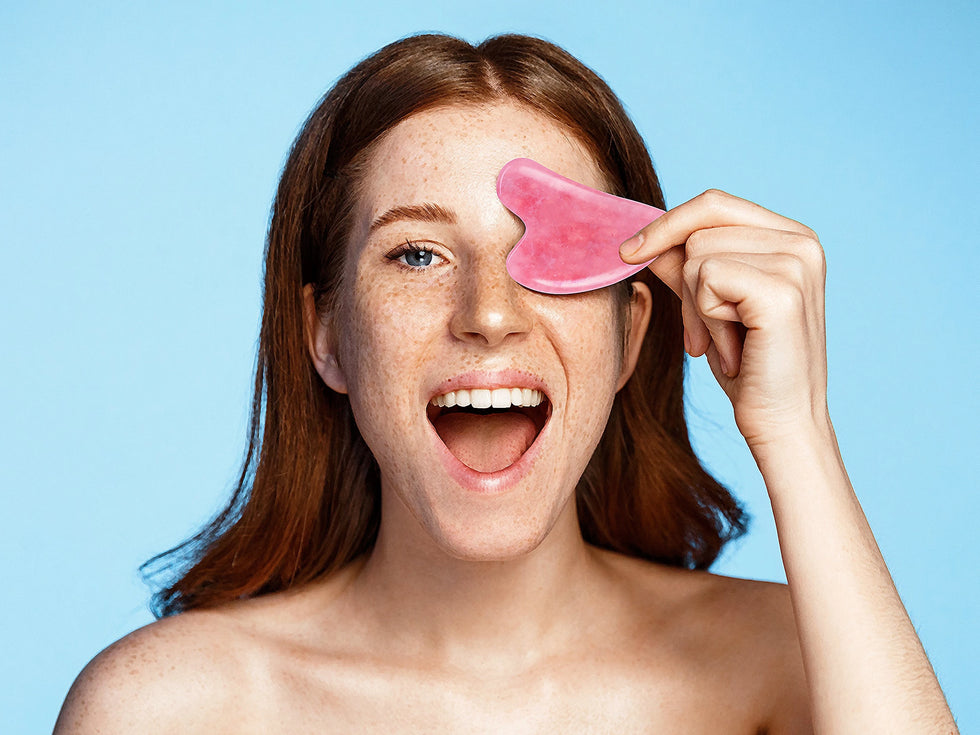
139 151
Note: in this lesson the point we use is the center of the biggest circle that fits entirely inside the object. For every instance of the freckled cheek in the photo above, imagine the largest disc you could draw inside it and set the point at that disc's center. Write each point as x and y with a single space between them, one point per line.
391 328
592 358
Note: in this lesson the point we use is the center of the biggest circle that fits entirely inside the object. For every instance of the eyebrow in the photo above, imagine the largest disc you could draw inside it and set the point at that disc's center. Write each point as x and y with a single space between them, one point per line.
426 212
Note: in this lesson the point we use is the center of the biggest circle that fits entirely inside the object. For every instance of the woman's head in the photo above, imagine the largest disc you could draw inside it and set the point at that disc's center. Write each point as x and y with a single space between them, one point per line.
310 485
425 310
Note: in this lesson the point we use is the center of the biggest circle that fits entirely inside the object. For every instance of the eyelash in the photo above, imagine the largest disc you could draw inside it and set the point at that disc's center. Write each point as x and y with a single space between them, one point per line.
412 247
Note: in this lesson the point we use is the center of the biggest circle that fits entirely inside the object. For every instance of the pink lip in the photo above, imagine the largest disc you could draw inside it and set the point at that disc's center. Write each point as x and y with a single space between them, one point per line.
489 483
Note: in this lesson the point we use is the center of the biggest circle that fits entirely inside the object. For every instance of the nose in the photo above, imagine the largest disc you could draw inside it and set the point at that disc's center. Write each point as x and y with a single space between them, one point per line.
490 305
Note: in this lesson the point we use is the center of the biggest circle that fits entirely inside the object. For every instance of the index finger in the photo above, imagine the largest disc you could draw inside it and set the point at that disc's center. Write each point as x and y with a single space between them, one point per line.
713 208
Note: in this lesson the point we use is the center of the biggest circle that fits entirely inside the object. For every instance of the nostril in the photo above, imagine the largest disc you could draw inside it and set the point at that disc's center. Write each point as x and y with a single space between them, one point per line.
490 313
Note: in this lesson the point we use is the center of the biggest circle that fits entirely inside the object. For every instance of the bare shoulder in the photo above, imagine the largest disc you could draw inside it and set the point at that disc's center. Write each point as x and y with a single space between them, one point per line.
227 669
755 620
180 674
741 631
749 613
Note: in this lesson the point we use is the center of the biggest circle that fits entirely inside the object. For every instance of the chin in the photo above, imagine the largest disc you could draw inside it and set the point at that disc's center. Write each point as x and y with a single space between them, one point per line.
491 548
503 534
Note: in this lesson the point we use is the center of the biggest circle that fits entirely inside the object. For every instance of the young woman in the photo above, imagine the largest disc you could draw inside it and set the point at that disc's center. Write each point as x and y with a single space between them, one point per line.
391 563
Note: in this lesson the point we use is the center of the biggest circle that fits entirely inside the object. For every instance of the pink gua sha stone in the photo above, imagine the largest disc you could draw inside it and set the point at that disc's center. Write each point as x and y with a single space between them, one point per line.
572 232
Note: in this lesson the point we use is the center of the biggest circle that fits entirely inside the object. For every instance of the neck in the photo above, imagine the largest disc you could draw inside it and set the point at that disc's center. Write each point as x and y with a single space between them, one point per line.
431 604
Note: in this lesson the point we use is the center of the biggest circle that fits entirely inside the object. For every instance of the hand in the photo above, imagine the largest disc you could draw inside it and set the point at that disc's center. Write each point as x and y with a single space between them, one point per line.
751 283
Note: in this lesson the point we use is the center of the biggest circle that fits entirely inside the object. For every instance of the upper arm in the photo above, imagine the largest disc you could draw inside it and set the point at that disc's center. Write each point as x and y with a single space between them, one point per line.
154 680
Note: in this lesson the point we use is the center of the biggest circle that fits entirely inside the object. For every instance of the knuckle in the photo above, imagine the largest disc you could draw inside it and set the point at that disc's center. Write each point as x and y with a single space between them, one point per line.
786 298
808 233
706 300
811 251
692 267
697 243
663 220
714 198
795 267
710 269
819 256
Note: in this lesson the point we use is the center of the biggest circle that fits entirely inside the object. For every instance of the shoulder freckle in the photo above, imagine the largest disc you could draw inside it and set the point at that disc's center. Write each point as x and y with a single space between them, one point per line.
169 674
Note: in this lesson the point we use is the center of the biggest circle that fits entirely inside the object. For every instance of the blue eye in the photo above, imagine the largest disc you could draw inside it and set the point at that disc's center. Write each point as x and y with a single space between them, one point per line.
417 258
414 256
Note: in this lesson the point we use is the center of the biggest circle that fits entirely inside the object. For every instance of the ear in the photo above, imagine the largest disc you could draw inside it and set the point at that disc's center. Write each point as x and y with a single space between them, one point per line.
641 305
321 342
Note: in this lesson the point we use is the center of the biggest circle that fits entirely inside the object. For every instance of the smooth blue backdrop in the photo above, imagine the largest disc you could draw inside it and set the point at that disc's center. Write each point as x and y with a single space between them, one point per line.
139 150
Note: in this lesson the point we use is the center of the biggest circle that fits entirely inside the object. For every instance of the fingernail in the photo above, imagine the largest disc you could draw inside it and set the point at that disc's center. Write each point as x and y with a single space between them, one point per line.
631 246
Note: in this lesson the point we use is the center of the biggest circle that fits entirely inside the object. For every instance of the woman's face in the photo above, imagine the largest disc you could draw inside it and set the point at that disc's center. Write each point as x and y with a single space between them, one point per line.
430 316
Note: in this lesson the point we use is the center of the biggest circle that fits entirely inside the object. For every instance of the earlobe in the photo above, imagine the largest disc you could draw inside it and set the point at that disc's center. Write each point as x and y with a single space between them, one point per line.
321 343
641 306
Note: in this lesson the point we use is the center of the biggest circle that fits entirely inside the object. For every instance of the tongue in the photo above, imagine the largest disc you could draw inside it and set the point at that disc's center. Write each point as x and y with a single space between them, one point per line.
486 442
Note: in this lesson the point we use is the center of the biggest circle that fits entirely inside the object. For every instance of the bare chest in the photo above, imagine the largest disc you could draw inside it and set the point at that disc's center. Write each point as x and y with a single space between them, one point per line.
600 697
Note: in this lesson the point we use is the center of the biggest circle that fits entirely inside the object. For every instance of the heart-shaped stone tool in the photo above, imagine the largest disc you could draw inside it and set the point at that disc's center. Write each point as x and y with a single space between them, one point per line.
572 232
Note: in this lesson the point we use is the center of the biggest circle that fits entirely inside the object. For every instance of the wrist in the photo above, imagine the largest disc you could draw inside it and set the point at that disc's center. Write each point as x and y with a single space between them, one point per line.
808 445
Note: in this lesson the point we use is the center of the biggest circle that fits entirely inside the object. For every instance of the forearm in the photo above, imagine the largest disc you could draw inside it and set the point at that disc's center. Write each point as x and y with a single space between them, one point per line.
866 669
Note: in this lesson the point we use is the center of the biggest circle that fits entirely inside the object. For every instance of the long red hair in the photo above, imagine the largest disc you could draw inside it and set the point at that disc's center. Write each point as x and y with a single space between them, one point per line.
307 500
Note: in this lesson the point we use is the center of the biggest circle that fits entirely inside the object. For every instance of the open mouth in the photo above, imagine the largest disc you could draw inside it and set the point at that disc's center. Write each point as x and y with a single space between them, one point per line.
488 430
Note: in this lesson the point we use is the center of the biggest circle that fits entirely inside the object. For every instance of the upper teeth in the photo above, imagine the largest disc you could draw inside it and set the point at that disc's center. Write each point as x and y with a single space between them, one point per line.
486 398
